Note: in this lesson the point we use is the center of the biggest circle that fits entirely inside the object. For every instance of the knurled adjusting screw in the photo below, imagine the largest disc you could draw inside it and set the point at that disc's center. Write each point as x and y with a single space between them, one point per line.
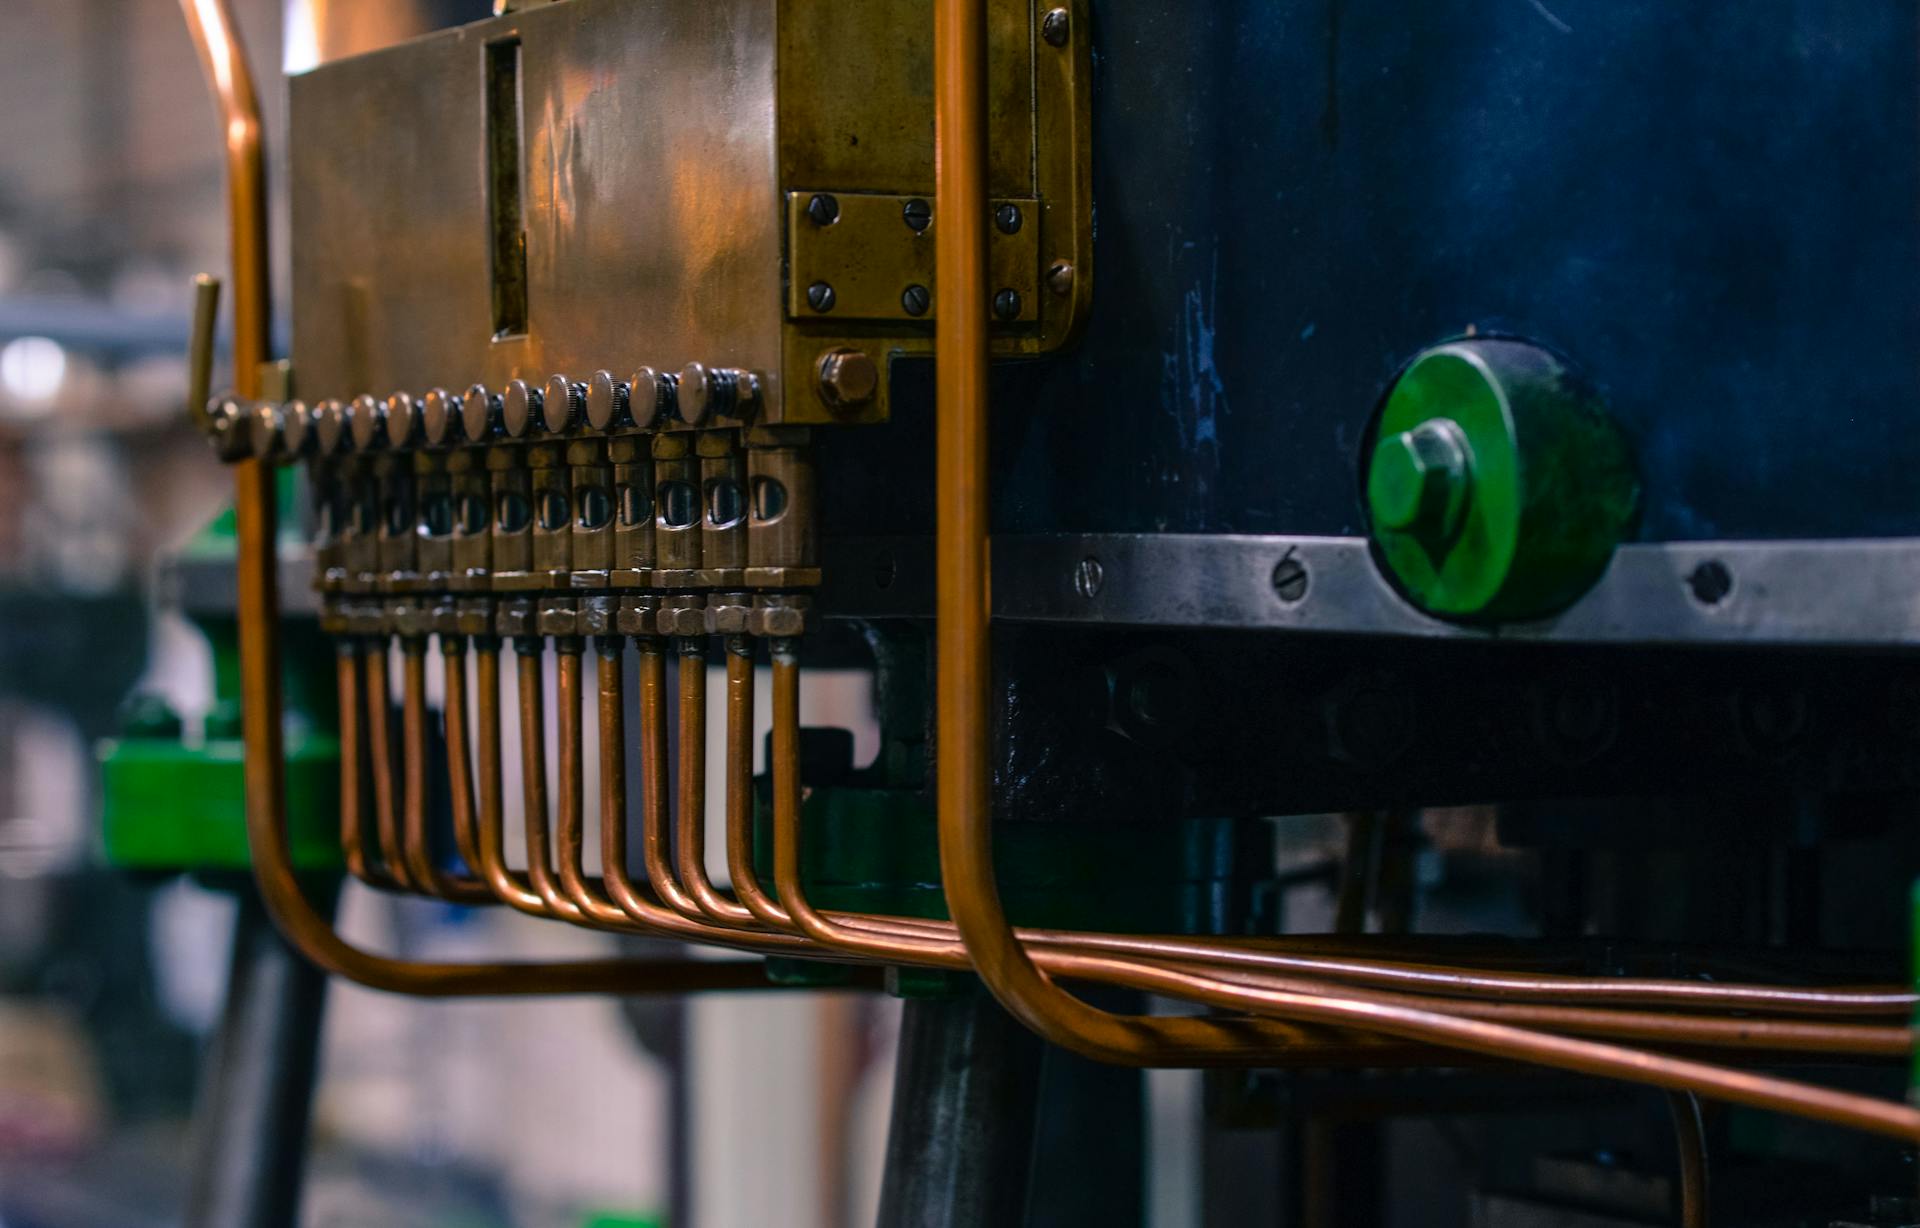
718 392
520 406
563 406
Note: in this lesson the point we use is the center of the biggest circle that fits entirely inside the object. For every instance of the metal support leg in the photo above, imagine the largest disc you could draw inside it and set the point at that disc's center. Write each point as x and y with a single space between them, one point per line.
960 1146
250 1123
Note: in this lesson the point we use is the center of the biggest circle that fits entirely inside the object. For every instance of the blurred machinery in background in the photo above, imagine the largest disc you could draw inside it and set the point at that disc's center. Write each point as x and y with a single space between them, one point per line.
1193 415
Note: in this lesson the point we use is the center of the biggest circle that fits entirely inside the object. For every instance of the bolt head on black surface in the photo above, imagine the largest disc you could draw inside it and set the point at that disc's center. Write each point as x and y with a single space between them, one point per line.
1007 218
823 209
915 300
1006 304
820 296
1055 27
917 214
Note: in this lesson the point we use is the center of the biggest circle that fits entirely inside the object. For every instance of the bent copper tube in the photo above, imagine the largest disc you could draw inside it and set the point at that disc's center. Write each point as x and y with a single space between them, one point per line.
352 777
654 804
453 677
690 828
224 60
380 750
533 774
1690 1136
627 898
416 850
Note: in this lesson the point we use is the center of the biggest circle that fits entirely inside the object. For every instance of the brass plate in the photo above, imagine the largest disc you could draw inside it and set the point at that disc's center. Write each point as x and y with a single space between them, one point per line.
870 256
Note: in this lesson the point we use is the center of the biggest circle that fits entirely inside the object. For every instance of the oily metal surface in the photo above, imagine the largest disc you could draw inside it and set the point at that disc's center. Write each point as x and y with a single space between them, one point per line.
652 226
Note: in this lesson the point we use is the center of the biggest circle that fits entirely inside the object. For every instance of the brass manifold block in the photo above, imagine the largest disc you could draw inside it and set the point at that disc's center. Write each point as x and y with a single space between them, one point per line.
651 505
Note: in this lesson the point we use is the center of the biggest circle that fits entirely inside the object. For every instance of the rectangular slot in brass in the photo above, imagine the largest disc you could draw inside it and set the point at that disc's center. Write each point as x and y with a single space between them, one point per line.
508 250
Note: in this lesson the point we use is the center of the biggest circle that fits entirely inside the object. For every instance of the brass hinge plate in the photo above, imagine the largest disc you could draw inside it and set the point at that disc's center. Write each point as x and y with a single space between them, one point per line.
870 259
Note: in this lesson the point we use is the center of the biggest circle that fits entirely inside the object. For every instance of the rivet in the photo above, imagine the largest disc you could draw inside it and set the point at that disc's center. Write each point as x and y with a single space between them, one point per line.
1055 27
1060 277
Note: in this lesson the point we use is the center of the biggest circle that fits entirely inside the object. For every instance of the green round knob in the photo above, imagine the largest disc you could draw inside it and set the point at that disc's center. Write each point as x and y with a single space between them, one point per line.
1420 479
1498 485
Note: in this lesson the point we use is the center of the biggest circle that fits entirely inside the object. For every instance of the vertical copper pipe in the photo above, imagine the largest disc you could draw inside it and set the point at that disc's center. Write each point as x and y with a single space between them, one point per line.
416 848
380 749
746 881
490 837
654 806
347 675
690 827
453 649
570 823
533 777
1690 1132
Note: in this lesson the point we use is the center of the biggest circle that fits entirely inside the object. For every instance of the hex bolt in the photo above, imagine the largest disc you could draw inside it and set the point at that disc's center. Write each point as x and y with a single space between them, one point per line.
1060 277
1419 481
823 209
1006 304
820 296
849 378
1290 579
915 300
1088 576
918 215
1007 218
1055 27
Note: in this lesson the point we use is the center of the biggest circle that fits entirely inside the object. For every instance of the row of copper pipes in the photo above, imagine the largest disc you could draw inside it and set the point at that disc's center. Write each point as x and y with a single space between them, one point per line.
1272 1002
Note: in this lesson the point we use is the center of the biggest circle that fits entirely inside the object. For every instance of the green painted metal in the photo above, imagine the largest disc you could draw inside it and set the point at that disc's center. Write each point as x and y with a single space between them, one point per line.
1498 486
169 803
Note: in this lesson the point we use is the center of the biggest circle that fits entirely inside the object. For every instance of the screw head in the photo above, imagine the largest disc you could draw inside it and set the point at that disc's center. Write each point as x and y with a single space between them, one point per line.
1055 27
561 405
1290 580
1419 480
439 415
1006 304
264 438
1060 277
478 419
823 209
403 419
1088 576
915 300
329 427
917 214
1007 218
607 402
518 405
1710 582
820 296
366 421
695 393
650 394
849 378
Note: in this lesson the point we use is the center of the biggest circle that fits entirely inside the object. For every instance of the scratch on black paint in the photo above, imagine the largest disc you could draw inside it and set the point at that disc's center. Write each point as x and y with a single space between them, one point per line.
1193 393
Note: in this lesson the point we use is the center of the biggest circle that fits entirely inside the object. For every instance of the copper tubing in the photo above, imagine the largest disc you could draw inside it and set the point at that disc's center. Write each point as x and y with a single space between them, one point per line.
453 677
654 804
490 833
533 773
380 750
416 850
627 898
1690 1134
258 609
352 842
690 827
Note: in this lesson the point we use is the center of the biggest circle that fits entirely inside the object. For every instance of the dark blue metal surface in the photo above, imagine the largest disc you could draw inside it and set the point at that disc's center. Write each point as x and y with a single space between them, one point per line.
1712 208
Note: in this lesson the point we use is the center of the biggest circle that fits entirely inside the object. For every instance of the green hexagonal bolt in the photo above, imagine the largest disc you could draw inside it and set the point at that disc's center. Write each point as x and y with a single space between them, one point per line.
1498 485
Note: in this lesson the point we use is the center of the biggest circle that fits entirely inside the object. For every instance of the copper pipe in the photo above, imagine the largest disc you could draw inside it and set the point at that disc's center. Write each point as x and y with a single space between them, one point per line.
416 849
453 679
1690 1133
690 827
386 826
627 898
533 775
490 833
746 881
654 851
352 843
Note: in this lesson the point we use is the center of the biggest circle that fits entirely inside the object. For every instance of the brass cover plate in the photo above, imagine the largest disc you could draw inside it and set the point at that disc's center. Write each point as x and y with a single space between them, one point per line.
870 256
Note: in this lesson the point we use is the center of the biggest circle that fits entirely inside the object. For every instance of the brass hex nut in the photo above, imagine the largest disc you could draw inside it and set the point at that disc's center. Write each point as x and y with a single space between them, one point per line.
515 617
409 618
684 616
474 616
729 613
599 616
849 378
778 617
638 616
558 616
444 616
